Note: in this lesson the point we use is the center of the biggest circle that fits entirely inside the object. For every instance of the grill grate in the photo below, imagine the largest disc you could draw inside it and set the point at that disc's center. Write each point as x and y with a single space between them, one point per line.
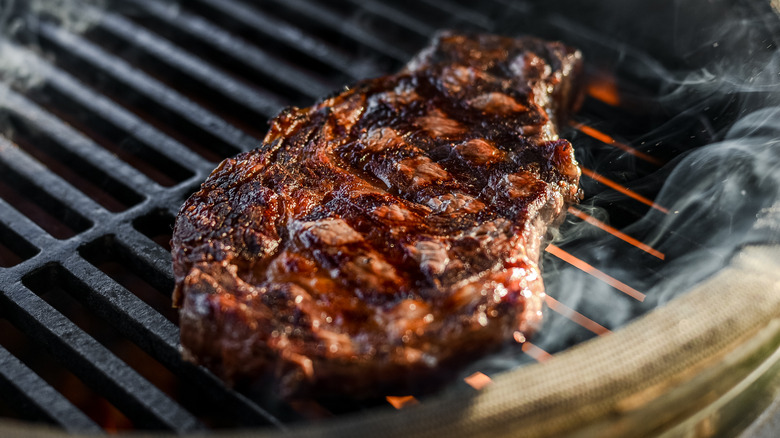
135 113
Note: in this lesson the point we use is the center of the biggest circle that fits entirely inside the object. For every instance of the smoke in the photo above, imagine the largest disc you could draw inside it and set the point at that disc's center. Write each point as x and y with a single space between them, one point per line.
709 66
18 20
719 83
720 197
717 196
713 75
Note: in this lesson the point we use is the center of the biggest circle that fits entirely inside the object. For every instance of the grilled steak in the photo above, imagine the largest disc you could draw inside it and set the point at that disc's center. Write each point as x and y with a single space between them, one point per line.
385 233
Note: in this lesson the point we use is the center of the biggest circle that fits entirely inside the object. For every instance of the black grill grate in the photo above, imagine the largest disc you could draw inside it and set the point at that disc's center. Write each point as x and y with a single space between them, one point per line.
134 114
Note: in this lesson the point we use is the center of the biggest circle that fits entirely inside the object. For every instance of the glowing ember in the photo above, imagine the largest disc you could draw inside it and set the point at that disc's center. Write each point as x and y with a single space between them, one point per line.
617 284
604 88
604 138
478 380
575 316
400 402
535 352
613 185
615 232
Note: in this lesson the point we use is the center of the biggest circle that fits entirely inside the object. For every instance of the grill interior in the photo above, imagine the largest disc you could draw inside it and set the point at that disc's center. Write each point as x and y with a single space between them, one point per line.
133 113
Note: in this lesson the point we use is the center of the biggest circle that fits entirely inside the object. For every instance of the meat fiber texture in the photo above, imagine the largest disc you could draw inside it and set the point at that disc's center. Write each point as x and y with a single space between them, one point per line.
386 235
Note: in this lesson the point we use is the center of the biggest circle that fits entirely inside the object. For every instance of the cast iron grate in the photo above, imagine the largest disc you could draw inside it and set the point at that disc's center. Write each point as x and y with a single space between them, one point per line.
133 115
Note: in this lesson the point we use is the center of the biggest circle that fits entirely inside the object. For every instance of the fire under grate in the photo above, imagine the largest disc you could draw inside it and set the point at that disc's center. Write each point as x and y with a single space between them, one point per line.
133 113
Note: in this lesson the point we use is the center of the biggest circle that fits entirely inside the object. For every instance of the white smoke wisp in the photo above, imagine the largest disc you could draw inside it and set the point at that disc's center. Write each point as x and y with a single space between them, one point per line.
718 197
74 15
14 68
18 19
722 193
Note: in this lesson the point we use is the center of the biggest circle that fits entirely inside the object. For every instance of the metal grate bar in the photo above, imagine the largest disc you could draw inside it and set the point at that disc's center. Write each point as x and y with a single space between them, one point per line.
522 6
617 187
21 224
470 16
150 330
258 100
577 212
154 259
589 269
237 404
633 65
317 13
13 248
22 386
292 36
279 70
608 140
148 87
409 18
76 143
118 116
396 15
132 317
574 316
47 182
95 365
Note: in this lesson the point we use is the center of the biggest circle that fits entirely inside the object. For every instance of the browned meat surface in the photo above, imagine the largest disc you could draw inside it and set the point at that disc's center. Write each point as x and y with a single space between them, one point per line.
388 232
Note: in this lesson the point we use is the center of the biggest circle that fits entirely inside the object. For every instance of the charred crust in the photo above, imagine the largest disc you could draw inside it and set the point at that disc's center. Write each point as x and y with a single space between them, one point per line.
388 232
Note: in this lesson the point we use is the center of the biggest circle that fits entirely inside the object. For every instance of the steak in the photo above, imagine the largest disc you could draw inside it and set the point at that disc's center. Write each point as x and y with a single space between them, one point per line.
386 234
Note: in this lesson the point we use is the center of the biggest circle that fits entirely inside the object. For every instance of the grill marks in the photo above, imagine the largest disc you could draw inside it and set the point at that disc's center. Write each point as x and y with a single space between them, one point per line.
384 155
171 124
397 301
419 174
